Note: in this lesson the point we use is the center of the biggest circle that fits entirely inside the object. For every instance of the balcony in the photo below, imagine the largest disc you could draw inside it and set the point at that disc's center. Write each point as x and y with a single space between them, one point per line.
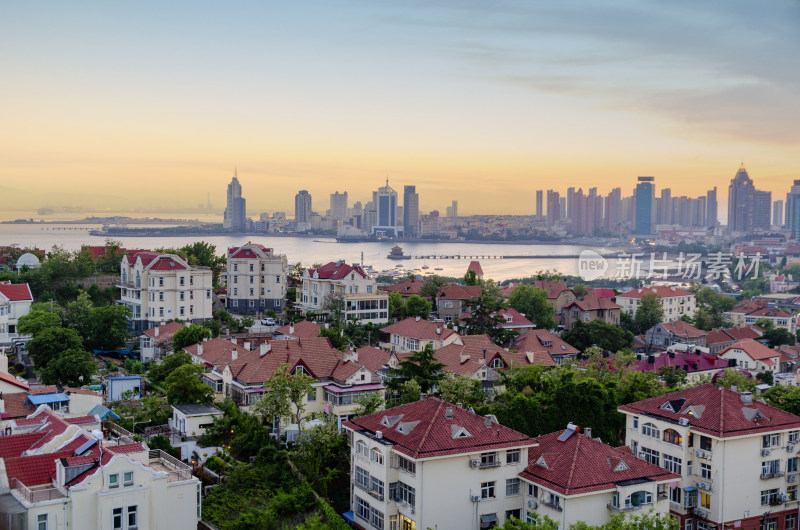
163 462
771 474
376 495
37 493
627 507
552 505
489 465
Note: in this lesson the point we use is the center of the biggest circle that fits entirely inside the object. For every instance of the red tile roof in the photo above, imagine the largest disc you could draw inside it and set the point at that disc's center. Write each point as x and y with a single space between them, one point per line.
81 420
11 380
468 358
34 470
754 349
592 303
16 444
17 405
426 432
216 352
733 334
39 390
405 288
582 465
455 291
167 263
553 289
16 292
247 251
373 358
165 331
602 292
517 320
303 329
664 291
336 270
135 447
419 329
687 361
538 340
475 266
717 411
683 329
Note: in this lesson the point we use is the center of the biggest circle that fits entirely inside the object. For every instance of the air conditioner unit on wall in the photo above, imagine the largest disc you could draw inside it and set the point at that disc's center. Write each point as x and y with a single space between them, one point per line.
765 452
474 463
684 421
532 504
791 478
474 498
700 453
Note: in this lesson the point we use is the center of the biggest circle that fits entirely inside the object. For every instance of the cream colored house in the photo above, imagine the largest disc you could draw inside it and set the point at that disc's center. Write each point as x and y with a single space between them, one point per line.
675 301
572 477
61 478
256 279
15 302
754 356
737 457
156 342
160 287
414 334
192 420
431 464
748 312
359 293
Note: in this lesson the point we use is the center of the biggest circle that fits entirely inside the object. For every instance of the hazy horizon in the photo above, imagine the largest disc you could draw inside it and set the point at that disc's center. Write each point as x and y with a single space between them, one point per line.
152 105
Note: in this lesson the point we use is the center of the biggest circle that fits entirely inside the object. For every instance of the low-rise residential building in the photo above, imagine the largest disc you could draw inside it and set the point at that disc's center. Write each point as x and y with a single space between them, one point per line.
748 312
719 339
56 474
119 387
414 334
15 302
160 287
571 477
676 302
155 343
675 332
406 288
256 279
432 464
753 356
348 287
587 308
192 420
298 330
538 341
454 301
697 365
737 456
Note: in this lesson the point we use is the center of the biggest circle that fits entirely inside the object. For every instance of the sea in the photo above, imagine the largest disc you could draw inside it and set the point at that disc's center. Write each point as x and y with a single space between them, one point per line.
427 257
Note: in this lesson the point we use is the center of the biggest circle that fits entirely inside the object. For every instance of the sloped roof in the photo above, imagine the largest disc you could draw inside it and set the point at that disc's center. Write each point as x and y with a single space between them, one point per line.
303 329
475 266
581 465
419 329
16 292
249 251
537 340
336 270
592 303
455 291
165 331
704 361
723 414
517 319
602 292
373 358
428 432
467 358
733 334
664 291
754 349
217 351
683 329
553 289
11 380
405 288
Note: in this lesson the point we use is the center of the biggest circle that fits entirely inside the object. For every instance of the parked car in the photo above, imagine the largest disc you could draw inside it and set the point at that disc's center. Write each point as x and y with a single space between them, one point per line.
268 322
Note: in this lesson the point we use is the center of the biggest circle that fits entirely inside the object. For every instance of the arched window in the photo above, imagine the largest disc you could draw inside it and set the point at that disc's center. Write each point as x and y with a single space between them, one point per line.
639 498
376 456
648 429
497 363
361 448
672 436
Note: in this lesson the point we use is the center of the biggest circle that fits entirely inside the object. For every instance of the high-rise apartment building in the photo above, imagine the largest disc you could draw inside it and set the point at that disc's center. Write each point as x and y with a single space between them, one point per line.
553 208
644 199
339 206
762 209
740 202
410 211
385 200
539 205
777 213
711 207
302 207
235 218
613 211
664 207
452 210
792 221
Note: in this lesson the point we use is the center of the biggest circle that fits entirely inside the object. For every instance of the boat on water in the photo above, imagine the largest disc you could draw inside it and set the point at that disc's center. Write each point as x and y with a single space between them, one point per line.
397 253
425 267
438 269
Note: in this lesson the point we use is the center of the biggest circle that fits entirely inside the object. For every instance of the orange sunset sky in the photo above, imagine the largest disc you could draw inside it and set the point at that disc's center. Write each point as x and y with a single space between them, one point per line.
149 105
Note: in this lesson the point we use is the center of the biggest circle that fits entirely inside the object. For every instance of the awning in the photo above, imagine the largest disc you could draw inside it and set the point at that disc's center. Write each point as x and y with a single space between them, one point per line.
690 488
348 516
361 388
488 520
43 399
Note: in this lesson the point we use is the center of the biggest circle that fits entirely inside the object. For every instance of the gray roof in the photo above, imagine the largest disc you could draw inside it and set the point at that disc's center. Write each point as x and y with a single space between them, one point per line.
197 410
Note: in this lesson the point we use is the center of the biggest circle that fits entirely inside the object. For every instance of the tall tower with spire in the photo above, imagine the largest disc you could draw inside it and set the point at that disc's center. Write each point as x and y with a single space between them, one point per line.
741 202
235 211
385 200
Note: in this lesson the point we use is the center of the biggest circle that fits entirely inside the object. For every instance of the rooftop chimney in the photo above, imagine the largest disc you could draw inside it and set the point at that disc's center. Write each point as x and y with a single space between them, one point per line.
234 354
291 328
438 330
200 349
417 319
155 331
246 345
746 398
587 431
448 413
264 349
234 339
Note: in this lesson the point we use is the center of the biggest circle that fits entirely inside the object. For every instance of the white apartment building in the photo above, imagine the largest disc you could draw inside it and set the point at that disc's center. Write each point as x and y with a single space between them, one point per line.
15 301
56 476
737 457
361 297
256 279
675 301
431 464
160 287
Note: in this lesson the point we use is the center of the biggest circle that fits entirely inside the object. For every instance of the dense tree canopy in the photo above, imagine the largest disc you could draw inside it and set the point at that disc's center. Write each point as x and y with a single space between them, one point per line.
598 333
421 367
184 385
49 343
73 367
191 334
532 302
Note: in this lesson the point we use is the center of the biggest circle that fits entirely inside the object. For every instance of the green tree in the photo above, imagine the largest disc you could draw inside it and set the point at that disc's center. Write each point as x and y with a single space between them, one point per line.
274 403
765 323
159 372
461 389
51 342
78 315
649 313
322 454
779 336
369 403
74 367
532 302
421 367
334 305
408 391
711 307
765 377
108 328
188 335
162 442
431 286
417 306
784 397
396 305
292 388
672 376
39 318
580 290
184 385
731 377
471 278
598 333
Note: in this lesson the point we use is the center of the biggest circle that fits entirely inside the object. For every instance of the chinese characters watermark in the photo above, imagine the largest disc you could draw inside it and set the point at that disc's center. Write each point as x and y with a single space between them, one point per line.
685 266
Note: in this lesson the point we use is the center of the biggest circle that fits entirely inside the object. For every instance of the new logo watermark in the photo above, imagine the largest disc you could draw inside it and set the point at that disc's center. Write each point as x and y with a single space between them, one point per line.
692 266
591 265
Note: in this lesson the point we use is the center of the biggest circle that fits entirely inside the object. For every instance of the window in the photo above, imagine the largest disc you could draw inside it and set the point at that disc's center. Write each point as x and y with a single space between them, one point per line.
113 480
489 460
705 443
116 519
362 477
512 456
690 499
769 524
376 487
672 463
513 514
769 497
161 311
487 490
361 448
407 465
497 363
362 509
705 500
312 395
133 517
41 521
235 267
554 500
791 465
675 495
402 492
791 522
791 492
636 422
650 455
512 487
770 440
277 279
160 297
530 517
180 310
182 280
127 478
161 282
672 436
376 456
533 491
208 293
794 436
377 518
688 525
252 279
705 471
648 429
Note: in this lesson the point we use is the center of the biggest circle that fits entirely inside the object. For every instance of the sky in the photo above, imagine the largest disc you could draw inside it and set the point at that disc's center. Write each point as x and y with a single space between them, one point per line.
153 104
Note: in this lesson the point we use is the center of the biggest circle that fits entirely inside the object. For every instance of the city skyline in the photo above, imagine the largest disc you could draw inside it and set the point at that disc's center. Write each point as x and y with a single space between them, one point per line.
460 100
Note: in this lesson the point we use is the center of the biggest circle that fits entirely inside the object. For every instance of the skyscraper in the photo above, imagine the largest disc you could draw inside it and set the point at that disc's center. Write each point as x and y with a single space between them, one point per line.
741 200
539 204
793 210
777 213
613 211
553 207
410 211
711 207
302 207
235 218
644 196
339 206
452 210
762 209
385 200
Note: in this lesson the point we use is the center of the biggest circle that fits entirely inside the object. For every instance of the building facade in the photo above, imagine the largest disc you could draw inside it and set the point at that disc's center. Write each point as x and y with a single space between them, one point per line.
235 210
256 279
302 207
410 211
645 194
675 302
385 201
15 302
